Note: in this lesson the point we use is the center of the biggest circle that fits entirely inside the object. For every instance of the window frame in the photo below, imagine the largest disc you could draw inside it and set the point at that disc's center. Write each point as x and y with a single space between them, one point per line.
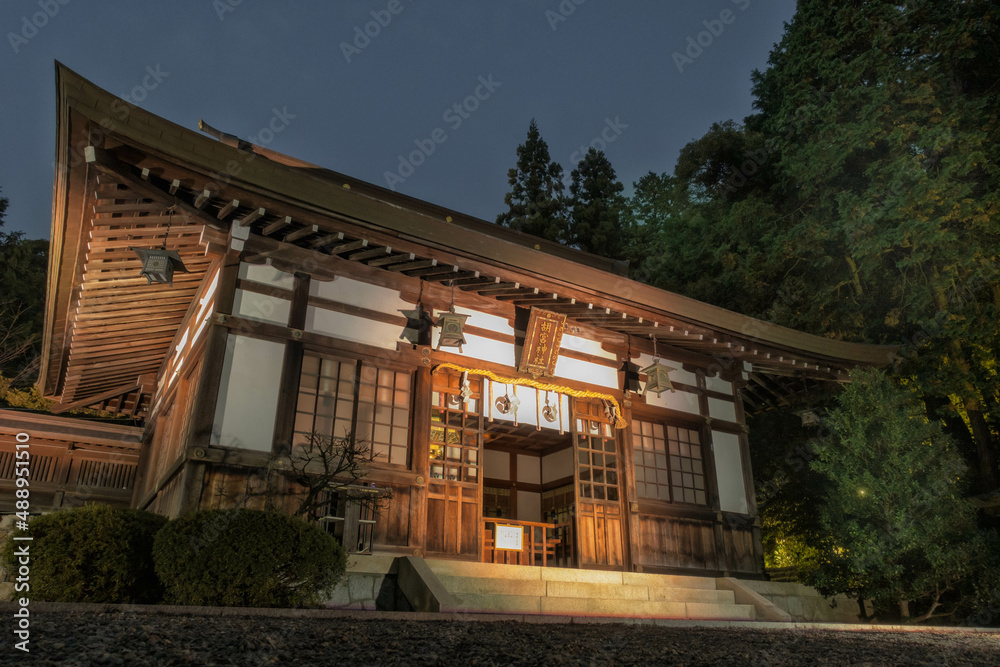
380 364
666 422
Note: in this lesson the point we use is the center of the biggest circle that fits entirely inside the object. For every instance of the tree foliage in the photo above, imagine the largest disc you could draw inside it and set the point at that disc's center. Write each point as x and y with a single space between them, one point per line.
899 528
23 268
597 207
535 202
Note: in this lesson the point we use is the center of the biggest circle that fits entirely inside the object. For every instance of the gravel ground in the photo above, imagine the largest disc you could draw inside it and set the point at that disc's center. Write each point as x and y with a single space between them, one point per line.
122 638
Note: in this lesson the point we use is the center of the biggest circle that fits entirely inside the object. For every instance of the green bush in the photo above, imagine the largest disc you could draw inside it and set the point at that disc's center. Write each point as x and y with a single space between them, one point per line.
246 558
94 553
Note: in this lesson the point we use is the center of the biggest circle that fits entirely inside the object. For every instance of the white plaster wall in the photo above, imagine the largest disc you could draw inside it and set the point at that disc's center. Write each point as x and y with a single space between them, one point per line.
729 471
586 346
529 469
477 347
360 294
261 307
557 465
267 275
529 506
719 409
353 328
248 394
584 371
496 464
716 384
675 400
483 320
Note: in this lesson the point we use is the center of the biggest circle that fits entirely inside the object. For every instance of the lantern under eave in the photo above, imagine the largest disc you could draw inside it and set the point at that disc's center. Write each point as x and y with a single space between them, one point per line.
159 265
451 324
631 377
658 378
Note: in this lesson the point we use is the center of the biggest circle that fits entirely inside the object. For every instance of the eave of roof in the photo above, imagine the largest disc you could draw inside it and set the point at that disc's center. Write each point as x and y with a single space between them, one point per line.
330 193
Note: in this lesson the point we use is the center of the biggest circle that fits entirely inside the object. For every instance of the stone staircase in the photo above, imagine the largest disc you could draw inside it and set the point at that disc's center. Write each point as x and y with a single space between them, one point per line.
513 589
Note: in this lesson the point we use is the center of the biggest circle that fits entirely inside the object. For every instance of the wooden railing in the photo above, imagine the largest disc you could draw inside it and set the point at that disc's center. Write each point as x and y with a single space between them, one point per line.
542 544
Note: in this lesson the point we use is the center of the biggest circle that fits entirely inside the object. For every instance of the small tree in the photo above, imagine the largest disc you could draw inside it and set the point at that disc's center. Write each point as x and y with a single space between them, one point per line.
314 469
326 464
899 529
535 203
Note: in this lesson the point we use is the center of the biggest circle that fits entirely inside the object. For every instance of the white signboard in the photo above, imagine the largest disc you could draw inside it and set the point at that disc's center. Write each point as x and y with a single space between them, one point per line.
508 538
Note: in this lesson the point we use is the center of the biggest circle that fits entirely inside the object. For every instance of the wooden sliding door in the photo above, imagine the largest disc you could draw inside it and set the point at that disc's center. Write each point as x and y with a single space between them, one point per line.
454 490
599 526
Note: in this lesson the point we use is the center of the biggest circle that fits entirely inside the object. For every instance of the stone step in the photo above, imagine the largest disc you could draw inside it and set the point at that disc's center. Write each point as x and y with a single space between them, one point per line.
481 586
529 604
646 608
524 572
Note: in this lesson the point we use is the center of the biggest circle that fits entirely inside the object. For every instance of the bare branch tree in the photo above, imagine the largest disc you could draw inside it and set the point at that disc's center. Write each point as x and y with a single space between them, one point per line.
325 464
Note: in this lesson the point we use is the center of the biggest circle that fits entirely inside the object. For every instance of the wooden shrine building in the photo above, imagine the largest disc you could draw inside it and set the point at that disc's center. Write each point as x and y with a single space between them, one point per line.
310 302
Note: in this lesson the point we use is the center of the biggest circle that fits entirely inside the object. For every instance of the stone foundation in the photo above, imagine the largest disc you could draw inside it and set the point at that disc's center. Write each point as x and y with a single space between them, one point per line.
370 584
806 604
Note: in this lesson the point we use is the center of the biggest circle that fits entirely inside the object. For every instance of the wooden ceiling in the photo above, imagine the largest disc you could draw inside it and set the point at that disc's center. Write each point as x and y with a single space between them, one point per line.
505 436
119 326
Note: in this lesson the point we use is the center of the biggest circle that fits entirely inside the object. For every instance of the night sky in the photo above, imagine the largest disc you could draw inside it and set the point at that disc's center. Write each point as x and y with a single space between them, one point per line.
449 87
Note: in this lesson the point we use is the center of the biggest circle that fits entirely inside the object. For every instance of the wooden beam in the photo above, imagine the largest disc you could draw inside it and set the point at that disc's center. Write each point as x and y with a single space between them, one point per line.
327 239
382 261
84 402
252 217
308 230
227 209
276 225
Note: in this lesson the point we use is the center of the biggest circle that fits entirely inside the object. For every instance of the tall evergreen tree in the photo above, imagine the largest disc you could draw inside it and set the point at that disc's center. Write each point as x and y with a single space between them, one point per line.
597 223
535 203
881 117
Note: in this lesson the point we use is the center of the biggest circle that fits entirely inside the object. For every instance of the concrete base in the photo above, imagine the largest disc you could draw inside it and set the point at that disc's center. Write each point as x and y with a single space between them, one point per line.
805 604
370 583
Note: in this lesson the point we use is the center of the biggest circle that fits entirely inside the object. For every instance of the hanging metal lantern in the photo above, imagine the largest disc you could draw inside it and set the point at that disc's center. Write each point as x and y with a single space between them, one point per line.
658 378
657 375
451 324
158 265
631 381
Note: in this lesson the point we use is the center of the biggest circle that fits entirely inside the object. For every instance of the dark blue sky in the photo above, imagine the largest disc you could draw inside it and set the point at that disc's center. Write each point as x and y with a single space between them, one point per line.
596 72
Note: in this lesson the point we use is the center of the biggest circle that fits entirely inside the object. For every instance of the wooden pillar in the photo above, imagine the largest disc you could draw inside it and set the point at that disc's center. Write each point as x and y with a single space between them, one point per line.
712 478
420 453
284 423
203 410
631 504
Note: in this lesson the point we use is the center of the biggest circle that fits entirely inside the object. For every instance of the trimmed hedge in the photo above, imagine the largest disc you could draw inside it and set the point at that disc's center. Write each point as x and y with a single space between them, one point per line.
246 558
94 553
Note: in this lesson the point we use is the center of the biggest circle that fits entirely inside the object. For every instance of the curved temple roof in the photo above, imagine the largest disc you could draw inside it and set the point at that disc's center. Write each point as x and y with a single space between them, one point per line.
121 169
